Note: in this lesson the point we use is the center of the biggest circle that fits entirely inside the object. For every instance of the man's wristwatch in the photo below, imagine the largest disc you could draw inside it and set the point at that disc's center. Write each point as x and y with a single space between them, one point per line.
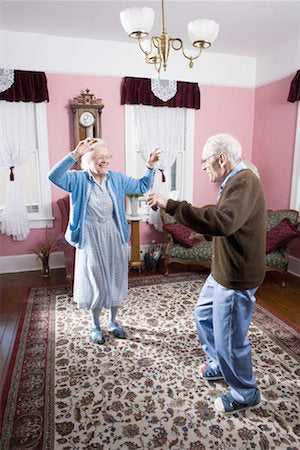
149 167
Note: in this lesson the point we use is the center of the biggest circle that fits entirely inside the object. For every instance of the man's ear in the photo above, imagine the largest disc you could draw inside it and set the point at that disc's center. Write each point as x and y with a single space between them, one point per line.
223 159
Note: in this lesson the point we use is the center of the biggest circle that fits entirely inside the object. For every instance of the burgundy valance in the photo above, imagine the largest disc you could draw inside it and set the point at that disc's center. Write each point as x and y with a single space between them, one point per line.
294 94
27 87
136 91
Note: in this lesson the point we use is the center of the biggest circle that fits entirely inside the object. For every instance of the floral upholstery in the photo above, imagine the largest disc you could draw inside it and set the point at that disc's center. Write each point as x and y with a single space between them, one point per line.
275 260
201 253
275 217
278 259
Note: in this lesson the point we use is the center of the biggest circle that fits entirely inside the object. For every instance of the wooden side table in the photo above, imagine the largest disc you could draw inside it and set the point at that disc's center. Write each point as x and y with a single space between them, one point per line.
135 261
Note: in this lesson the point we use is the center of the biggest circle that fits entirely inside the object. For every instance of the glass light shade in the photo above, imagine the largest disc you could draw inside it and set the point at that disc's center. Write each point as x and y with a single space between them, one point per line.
147 46
203 30
137 19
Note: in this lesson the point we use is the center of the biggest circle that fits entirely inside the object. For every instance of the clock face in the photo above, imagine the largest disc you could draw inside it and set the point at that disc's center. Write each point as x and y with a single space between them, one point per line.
86 119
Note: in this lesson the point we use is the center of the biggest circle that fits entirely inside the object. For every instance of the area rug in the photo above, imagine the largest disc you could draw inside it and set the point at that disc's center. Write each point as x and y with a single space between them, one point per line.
143 392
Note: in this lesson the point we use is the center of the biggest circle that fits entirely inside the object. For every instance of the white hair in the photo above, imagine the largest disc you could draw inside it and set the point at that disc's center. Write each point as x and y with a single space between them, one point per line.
223 143
85 159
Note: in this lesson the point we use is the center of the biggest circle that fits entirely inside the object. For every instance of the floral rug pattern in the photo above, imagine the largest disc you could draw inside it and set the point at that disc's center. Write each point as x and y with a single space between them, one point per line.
142 392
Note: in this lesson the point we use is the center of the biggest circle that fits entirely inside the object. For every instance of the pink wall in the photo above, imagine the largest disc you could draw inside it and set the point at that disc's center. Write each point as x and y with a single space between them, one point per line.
273 144
273 141
222 110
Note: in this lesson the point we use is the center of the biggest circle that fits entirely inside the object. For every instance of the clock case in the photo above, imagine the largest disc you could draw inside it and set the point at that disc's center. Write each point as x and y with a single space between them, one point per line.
86 102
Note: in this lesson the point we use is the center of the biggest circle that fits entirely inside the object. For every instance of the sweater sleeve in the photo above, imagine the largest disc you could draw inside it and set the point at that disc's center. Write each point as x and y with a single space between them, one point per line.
232 211
61 176
138 185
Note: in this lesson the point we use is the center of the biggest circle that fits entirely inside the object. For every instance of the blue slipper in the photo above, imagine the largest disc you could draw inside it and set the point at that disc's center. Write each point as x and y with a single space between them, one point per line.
97 336
208 373
117 330
226 404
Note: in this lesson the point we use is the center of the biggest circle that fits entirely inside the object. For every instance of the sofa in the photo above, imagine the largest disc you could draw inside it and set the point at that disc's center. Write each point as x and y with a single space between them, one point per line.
200 254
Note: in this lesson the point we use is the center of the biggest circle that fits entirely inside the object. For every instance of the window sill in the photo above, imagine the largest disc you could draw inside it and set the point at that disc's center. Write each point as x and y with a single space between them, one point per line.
140 218
42 222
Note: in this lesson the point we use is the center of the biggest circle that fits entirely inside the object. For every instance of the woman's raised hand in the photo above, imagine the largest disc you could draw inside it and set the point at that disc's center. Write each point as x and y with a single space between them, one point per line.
154 156
83 147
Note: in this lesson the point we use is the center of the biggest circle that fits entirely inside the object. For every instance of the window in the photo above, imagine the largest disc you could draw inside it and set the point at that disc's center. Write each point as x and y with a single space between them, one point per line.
180 176
33 176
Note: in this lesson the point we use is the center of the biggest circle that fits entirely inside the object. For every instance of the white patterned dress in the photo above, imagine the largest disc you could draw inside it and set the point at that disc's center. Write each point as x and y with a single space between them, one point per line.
101 269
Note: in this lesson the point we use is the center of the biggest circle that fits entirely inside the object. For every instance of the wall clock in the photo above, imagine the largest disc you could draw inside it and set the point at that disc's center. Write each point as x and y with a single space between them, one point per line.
86 119
86 116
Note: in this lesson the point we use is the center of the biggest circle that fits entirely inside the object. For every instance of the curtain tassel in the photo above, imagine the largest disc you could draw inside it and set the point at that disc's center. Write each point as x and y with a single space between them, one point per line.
11 175
163 178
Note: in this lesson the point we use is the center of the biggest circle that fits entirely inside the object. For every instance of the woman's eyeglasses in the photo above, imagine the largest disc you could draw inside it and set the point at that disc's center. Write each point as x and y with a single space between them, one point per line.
104 156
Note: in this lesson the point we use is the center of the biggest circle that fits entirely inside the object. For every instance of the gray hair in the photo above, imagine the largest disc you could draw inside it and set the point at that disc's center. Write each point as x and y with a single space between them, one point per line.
85 159
224 143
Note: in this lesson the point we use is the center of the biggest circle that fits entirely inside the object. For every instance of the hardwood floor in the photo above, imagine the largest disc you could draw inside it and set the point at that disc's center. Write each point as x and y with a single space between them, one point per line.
282 302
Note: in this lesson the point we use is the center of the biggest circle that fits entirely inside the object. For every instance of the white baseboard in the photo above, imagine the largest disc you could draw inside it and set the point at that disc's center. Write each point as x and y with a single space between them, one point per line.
26 263
294 266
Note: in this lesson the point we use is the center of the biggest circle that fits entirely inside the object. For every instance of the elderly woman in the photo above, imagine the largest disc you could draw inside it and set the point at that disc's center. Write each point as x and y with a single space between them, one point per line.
98 228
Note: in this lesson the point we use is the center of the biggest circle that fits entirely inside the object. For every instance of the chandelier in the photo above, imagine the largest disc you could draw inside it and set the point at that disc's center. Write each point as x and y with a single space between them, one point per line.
137 22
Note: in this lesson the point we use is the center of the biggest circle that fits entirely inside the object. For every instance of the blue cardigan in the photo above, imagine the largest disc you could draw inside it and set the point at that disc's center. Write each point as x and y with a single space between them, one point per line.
79 184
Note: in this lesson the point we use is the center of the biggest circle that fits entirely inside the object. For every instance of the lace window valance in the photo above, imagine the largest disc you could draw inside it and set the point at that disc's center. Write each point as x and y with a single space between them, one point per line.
135 91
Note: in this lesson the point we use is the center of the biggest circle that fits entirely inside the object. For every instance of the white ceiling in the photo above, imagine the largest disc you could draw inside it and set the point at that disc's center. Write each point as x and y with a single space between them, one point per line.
248 28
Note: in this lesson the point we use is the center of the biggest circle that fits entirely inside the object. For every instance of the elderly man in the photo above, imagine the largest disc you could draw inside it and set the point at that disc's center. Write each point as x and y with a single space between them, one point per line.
224 310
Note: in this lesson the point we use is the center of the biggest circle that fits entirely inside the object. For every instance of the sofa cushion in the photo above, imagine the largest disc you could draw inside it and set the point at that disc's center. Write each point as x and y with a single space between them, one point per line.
181 234
280 235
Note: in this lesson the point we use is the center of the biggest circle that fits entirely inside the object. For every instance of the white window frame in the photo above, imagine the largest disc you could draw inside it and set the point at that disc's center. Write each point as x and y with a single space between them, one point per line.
43 218
188 160
295 185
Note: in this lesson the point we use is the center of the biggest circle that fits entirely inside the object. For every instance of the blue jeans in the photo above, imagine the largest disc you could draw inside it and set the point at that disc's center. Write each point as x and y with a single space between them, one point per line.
223 317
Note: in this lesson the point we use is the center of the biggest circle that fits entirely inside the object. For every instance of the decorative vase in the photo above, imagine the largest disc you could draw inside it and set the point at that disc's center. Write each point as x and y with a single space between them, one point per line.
45 266
134 201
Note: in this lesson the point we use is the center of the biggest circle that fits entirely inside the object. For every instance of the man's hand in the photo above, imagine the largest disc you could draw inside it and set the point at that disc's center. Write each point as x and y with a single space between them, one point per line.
83 147
155 200
196 236
154 157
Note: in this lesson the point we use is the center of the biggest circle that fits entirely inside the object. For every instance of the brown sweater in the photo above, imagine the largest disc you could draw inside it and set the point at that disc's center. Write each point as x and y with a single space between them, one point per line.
238 226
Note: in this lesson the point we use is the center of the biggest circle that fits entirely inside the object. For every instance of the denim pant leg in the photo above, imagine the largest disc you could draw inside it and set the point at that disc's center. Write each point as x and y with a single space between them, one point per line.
232 314
203 317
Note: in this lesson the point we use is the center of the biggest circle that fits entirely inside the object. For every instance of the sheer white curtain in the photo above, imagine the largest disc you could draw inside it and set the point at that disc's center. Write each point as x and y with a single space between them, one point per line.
161 127
17 141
